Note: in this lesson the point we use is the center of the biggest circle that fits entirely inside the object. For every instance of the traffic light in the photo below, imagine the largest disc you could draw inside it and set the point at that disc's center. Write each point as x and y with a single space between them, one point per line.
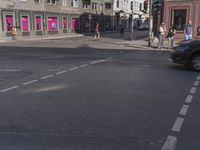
156 5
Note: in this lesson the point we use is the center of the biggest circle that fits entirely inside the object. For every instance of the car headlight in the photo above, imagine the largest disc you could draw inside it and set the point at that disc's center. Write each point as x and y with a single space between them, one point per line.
182 48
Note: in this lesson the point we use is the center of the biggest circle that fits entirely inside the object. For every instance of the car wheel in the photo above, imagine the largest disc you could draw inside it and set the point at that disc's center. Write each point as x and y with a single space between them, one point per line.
195 62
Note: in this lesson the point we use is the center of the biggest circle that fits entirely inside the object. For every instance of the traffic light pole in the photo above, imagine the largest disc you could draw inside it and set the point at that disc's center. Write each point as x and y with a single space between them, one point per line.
150 23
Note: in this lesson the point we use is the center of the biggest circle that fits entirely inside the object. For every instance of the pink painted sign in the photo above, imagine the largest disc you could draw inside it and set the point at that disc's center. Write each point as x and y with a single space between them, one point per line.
38 23
9 22
24 23
64 23
52 23
74 23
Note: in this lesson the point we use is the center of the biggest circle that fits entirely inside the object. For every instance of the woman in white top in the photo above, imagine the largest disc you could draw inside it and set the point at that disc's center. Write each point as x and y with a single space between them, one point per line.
162 31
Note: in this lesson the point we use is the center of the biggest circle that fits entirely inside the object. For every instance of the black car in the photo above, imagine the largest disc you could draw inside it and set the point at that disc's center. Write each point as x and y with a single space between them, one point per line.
187 53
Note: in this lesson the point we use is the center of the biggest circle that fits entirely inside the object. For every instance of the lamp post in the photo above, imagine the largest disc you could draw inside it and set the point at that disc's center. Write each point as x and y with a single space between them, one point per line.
150 3
132 25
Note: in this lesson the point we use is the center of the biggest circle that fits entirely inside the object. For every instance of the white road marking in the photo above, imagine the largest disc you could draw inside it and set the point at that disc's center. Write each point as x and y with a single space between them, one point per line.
84 65
198 78
170 143
177 125
184 110
196 83
10 70
94 62
111 57
49 76
8 89
193 90
189 99
26 83
61 72
74 68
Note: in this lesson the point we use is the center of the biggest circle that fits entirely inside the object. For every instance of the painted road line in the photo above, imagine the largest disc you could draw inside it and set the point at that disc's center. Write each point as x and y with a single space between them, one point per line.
198 78
74 68
61 72
196 83
8 89
111 57
49 76
170 143
177 125
184 110
94 62
26 83
193 90
84 65
189 99
10 70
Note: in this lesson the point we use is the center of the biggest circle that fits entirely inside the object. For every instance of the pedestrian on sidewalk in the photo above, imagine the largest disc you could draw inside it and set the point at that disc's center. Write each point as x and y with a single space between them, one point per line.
188 31
198 32
14 32
97 33
170 36
162 30
121 30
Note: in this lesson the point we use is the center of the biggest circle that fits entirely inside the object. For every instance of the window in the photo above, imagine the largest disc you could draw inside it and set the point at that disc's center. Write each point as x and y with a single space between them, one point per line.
52 23
179 19
9 22
52 2
38 23
94 6
86 3
36 1
24 23
131 6
108 6
74 3
117 3
64 2
140 6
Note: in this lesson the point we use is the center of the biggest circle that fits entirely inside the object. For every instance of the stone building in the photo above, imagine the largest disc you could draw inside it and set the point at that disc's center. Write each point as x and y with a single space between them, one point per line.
43 17
179 12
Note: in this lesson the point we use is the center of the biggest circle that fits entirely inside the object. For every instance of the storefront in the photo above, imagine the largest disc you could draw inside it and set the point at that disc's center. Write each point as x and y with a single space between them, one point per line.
178 13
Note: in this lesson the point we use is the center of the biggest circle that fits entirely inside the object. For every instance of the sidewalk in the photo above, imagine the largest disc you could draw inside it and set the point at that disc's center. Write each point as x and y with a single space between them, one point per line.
41 37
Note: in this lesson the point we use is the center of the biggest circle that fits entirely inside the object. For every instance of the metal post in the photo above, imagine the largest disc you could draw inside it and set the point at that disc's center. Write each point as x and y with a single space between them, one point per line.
132 25
151 23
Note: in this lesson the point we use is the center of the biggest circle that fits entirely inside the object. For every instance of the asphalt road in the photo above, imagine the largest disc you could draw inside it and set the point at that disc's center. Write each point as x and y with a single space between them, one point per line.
93 98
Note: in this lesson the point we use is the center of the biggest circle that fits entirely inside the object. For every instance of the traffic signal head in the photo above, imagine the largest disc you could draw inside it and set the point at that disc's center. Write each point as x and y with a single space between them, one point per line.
156 5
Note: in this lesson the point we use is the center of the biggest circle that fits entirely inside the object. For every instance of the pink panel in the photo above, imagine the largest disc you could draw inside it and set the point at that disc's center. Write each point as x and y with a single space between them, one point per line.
9 22
64 23
52 23
24 23
74 23
38 22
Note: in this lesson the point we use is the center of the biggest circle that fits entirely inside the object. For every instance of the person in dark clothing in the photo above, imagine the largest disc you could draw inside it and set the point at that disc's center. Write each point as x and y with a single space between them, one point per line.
121 30
170 36
198 32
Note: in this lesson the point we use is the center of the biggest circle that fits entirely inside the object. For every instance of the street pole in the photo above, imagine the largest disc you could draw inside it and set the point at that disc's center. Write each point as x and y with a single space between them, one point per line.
150 3
132 25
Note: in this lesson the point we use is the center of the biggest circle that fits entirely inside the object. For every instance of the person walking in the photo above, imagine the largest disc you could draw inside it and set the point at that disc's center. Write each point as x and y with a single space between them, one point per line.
170 37
188 31
121 30
14 32
198 32
162 30
97 33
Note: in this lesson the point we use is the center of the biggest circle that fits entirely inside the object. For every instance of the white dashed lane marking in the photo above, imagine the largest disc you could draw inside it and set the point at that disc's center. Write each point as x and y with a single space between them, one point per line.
189 99
61 72
193 90
170 143
184 110
84 65
196 83
74 68
30 82
49 76
177 125
8 89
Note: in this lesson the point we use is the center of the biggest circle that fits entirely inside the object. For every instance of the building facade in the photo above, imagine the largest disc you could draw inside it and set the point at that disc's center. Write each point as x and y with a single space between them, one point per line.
43 17
179 12
126 10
